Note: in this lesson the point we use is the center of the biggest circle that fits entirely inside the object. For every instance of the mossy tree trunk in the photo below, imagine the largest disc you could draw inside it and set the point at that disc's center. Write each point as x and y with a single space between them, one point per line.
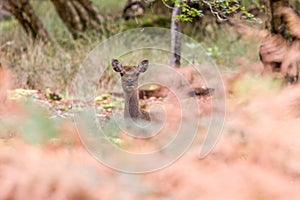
24 13
78 16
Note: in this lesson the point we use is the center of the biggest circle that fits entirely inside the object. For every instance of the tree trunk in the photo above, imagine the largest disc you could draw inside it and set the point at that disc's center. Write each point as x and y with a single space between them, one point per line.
275 23
279 51
24 13
136 8
297 6
78 16
175 37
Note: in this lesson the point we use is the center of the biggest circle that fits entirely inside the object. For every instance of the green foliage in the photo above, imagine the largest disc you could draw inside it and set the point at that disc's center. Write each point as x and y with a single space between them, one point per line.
220 8
213 51
189 13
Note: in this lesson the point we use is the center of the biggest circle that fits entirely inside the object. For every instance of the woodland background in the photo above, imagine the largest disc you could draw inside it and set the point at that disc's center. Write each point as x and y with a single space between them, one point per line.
256 47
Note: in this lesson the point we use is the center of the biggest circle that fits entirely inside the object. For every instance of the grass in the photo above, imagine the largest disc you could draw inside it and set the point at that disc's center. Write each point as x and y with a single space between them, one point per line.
110 7
227 46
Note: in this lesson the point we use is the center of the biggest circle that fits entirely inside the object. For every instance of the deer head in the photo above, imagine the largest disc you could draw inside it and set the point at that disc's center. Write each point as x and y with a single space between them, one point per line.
129 77
129 74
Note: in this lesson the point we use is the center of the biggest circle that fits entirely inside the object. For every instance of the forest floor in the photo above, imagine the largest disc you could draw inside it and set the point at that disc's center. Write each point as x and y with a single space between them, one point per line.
256 156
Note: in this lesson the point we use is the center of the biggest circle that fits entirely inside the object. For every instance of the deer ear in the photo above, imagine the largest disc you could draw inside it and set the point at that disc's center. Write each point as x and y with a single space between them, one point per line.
116 65
142 67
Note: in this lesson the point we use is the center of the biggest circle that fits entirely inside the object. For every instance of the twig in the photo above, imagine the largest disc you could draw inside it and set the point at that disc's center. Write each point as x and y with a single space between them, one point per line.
216 13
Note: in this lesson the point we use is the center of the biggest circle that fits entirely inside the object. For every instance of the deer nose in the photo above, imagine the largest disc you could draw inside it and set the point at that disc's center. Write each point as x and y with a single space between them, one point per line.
129 82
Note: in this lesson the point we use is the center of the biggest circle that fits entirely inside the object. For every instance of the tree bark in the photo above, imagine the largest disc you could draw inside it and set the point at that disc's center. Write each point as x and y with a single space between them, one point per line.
275 23
175 37
136 8
279 51
78 16
297 6
24 13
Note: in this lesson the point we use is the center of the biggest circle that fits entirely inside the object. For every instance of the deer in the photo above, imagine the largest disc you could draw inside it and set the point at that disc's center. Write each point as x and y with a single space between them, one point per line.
129 79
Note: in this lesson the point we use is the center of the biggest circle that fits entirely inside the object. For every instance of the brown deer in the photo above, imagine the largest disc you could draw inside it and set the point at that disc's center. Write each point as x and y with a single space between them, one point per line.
129 78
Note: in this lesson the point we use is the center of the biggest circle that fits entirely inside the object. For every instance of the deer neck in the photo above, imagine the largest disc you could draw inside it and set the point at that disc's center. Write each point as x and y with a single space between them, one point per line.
132 108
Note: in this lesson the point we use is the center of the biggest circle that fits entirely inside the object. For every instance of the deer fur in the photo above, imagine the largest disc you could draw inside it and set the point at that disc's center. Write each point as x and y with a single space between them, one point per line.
129 77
